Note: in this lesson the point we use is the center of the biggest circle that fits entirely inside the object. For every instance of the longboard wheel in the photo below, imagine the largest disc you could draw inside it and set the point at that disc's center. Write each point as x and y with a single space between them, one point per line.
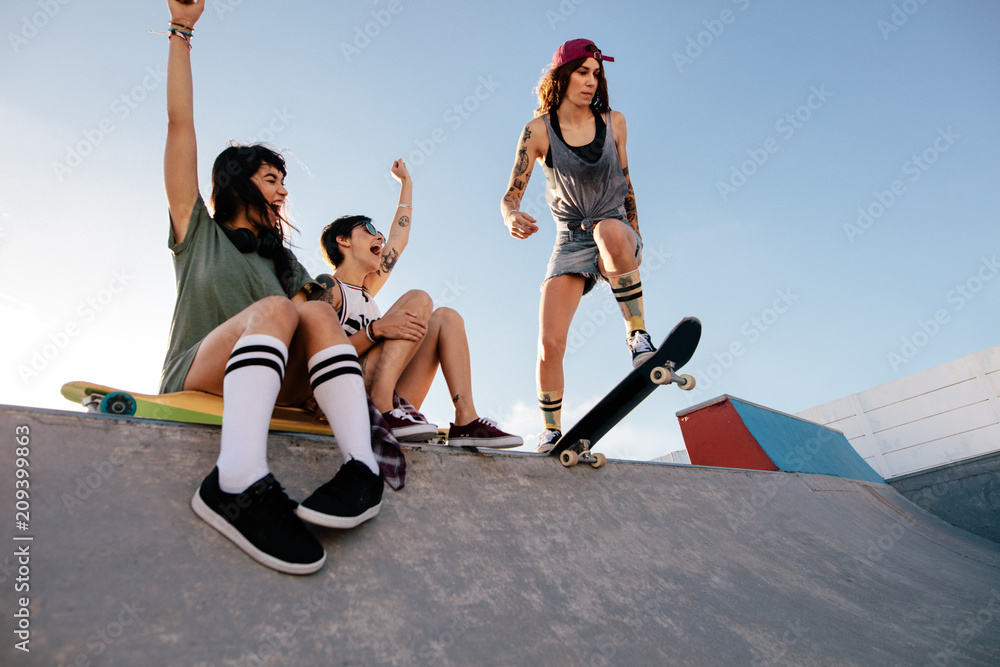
600 460
687 382
118 403
660 375
569 458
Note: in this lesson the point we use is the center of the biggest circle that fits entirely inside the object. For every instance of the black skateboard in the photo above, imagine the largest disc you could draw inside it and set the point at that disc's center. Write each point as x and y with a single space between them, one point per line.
675 351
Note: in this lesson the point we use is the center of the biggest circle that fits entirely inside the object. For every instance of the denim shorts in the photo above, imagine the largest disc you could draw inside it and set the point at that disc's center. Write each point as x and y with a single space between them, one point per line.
576 252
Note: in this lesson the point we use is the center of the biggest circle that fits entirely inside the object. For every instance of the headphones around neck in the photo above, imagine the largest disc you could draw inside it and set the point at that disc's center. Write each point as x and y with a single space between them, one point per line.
266 245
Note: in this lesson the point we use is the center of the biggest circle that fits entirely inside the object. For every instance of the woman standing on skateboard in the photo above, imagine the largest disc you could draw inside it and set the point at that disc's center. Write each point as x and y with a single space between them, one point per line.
244 329
580 144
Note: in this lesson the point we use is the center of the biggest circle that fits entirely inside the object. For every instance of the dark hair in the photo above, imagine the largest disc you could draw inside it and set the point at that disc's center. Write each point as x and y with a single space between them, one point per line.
552 86
342 226
233 189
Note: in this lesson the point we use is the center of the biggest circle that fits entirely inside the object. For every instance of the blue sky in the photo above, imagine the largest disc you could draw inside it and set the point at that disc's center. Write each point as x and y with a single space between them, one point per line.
816 181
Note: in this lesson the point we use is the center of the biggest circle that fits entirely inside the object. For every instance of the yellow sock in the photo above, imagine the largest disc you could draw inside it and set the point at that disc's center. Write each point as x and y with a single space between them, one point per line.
550 403
627 290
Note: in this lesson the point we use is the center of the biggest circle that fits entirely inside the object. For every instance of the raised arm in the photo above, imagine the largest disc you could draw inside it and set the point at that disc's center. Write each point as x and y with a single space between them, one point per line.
531 146
399 232
621 136
180 160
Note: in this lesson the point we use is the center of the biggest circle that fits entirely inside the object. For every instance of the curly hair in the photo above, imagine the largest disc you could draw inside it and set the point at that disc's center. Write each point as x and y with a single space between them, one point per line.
552 86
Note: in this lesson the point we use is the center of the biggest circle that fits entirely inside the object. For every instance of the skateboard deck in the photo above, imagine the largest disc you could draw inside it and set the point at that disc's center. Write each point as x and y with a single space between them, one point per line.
675 351
192 407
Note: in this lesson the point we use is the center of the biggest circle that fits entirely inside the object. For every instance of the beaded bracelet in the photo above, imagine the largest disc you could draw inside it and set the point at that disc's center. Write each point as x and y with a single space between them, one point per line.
186 35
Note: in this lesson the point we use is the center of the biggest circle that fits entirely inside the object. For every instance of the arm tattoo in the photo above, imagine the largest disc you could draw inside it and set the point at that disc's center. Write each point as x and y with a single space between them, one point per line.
404 220
630 211
331 296
389 259
512 197
521 165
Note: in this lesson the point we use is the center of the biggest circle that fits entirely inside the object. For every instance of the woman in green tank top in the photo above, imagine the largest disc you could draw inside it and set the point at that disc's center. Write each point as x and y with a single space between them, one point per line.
245 329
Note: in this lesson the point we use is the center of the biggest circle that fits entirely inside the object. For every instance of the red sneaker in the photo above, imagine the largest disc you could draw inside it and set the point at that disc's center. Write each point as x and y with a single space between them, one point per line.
482 433
406 428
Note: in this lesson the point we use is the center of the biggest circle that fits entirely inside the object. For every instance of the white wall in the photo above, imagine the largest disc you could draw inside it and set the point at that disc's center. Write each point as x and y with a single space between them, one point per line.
944 414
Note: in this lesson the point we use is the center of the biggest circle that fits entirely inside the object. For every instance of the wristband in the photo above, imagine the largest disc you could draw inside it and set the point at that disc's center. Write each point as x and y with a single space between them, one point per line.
371 332
404 206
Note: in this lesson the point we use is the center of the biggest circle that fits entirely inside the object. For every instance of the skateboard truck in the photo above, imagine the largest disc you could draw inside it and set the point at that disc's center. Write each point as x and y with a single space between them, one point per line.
570 456
665 375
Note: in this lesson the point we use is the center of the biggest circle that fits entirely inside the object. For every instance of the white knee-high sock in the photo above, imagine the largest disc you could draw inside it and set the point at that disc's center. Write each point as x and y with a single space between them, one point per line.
250 389
339 389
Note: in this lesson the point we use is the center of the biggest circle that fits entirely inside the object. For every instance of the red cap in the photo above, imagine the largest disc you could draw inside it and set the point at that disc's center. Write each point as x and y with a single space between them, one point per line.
576 48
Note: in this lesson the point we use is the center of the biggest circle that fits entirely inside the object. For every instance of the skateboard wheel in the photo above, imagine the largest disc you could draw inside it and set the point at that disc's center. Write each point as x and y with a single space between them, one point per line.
569 458
600 460
118 403
659 375
687 382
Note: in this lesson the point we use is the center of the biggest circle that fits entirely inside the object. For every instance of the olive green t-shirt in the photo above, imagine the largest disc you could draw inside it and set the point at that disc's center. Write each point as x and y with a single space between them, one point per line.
215 281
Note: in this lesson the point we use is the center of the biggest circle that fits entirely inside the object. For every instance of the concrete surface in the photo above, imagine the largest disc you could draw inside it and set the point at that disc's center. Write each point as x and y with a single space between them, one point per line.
483 559
965 493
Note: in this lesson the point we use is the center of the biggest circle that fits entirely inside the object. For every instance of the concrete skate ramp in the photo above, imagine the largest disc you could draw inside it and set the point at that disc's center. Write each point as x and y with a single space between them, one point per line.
494 559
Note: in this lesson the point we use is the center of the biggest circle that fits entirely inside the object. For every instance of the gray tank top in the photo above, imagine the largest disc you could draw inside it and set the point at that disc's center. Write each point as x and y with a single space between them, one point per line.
581 194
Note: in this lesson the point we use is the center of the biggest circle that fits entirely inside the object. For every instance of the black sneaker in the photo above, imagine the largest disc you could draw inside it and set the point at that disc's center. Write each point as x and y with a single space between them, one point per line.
353 496
262 522
641 346
547 440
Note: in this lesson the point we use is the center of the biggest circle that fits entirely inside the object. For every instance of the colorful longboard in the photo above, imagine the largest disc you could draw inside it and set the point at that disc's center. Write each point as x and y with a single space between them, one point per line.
192 407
